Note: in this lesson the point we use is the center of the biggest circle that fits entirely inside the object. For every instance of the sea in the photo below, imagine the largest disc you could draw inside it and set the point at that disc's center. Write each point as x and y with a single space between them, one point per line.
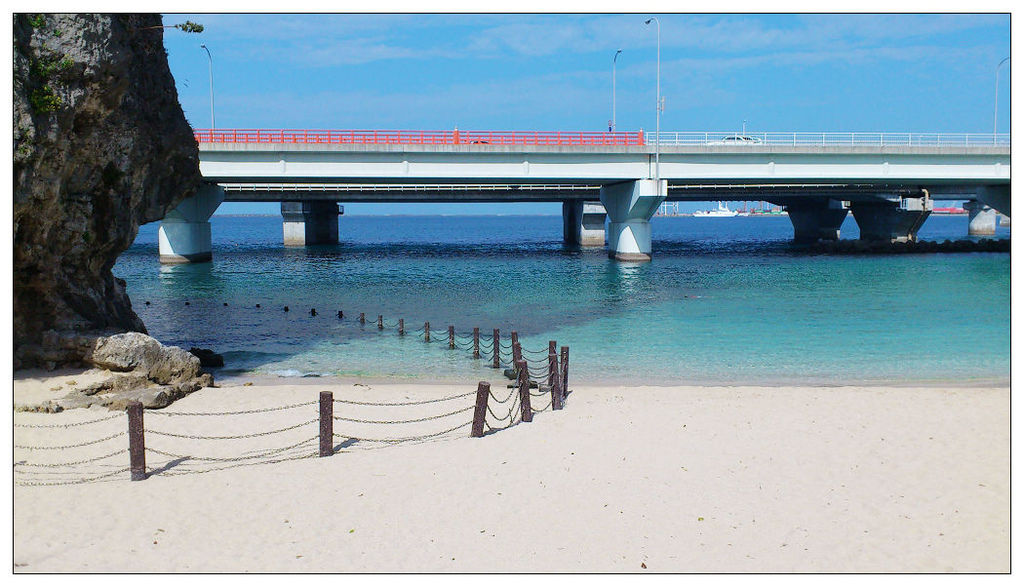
725 301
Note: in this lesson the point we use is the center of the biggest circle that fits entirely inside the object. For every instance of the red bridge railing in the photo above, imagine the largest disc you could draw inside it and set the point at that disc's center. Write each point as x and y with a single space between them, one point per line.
418 137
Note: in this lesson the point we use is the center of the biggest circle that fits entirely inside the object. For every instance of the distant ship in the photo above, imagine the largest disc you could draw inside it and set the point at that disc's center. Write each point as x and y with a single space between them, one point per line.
723 211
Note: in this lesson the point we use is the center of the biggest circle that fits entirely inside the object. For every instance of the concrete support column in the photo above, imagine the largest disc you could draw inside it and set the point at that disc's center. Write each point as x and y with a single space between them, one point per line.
981 220
583 223
895 220
995 196
630 205
185 235
816 219
311 222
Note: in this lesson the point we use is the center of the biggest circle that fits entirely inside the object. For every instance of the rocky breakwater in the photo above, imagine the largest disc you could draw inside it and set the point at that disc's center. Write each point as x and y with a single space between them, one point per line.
131 367
101 145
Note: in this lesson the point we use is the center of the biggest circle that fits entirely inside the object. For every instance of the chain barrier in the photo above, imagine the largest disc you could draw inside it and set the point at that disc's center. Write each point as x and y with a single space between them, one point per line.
236 465
511 411
407 439
254 435
414 403
546 407
425 419
73 482
267 453
108 418
510 393
71 463
260 411
87 443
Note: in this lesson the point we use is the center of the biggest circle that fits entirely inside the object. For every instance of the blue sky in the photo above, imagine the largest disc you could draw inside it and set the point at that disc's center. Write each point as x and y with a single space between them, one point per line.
839 72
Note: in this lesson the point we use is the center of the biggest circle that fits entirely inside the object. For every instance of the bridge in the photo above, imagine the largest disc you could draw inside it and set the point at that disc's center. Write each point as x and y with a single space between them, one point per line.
887 180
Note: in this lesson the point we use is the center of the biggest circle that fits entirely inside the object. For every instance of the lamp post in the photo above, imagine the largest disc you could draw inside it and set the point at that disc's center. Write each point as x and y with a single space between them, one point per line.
213 121
614 59
657 128
995 116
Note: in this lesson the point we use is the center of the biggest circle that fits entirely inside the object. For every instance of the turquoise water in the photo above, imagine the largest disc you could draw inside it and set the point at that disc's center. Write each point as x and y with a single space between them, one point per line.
726 301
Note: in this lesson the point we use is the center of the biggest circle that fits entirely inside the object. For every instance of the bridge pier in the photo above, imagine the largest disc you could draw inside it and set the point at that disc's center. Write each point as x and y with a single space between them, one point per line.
630 205
995 196
816 219
981 220
896 220
583 223
310 222
185 235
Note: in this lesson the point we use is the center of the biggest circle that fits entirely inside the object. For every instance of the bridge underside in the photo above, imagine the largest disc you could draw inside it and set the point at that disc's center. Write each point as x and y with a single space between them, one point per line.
617 212
776 193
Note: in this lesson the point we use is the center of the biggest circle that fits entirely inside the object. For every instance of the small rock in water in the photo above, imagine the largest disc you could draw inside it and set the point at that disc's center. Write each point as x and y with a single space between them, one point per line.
147 302
257 305
187 304
225 303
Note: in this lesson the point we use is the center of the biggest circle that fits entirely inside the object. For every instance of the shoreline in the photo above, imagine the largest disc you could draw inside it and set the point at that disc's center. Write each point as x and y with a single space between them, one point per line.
742 479
37 386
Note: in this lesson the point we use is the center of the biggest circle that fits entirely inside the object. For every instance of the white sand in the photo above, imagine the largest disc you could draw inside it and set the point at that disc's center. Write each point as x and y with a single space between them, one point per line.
35 387
716 479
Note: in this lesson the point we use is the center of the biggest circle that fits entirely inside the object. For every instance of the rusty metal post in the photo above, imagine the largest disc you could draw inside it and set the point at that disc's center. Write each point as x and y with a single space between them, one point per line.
497 349
136 442
554 382
380 322
476 343
451 337
401 326
515 338
565 373
426 332
362 317
326 423
524 392
551 347
483 392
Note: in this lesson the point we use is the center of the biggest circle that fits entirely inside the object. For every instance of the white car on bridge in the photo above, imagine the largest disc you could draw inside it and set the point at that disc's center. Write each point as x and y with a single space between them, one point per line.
736 140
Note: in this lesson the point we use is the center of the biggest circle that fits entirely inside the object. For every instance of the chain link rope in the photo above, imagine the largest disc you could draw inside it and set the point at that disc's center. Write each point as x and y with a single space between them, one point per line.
67 446
232 459
407 439
236 437
73 424
74 482
411 403
260 411
71 463
425 419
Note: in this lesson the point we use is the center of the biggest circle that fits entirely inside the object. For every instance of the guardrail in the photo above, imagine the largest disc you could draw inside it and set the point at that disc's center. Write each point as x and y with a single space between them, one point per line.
418 137
833 139
583 138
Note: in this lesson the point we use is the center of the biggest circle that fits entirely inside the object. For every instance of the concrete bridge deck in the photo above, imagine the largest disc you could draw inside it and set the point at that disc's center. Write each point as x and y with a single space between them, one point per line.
888 181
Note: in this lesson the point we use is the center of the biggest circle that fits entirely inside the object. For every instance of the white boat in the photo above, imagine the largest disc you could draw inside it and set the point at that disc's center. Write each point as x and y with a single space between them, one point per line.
723 211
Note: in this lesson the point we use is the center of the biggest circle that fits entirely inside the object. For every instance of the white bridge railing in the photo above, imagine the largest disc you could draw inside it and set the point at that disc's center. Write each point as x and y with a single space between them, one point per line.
832 139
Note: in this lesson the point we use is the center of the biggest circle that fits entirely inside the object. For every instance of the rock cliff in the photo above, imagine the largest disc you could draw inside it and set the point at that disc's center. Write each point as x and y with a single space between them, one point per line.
100 146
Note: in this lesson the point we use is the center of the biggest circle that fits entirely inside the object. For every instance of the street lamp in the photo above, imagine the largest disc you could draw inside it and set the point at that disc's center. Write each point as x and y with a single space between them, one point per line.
614 59
995 117
657 128
213 121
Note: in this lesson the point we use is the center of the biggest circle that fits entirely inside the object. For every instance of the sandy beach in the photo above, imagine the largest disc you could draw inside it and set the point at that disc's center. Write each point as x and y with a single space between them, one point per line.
639 479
